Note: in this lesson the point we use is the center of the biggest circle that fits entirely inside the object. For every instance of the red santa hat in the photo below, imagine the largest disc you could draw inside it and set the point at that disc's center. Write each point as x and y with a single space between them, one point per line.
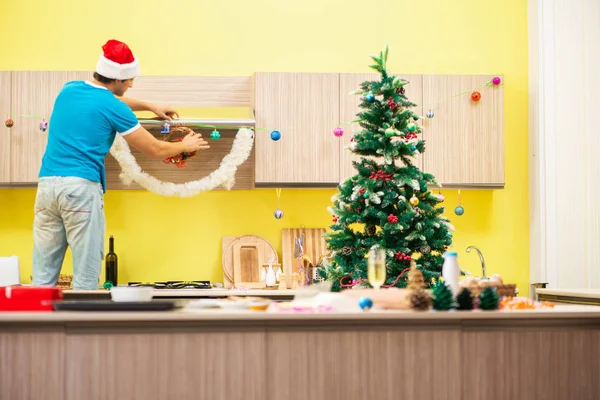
117 61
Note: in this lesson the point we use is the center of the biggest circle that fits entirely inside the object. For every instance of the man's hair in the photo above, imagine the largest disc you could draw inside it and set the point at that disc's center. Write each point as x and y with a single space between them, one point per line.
103 79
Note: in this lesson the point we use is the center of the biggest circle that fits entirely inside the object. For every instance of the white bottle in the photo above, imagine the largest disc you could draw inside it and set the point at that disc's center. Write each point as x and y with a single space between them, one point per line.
451 271
270 280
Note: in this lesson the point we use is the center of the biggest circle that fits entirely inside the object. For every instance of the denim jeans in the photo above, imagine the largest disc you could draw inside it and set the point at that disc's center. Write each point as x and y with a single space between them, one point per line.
69 211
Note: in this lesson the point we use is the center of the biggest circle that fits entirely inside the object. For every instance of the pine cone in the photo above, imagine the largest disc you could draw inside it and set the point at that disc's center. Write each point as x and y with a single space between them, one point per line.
371 230
488 300
401 90
346 251
419 300
425 249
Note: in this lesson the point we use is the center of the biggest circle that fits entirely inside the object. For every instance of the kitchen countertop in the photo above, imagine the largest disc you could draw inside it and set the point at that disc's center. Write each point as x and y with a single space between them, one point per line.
570 296
225 354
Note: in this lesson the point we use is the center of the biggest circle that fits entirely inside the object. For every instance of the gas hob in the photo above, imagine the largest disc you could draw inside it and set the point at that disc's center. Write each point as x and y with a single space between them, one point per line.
174 285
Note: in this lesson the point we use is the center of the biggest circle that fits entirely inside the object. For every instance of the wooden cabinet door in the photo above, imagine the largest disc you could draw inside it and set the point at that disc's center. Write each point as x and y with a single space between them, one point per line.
5 132
304 107
349 109
465 138
33 94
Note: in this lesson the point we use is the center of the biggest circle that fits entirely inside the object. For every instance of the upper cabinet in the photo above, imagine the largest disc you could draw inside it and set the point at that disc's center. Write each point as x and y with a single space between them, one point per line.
304 108
465 138
33 94
5 131
349 108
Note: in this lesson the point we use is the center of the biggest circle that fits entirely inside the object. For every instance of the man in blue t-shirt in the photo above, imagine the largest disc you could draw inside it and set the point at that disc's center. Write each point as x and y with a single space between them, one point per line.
69 205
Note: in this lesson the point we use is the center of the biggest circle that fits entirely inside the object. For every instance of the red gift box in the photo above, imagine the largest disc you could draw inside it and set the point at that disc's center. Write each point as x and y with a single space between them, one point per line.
27 298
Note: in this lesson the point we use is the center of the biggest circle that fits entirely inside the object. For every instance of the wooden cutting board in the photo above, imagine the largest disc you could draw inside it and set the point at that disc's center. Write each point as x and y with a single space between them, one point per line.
243 257
314 248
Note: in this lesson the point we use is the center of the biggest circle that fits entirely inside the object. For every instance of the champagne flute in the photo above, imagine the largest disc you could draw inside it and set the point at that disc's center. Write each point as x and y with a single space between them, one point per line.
376 267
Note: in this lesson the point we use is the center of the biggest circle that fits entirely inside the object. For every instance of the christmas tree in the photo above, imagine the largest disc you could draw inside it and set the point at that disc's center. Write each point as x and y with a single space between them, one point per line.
387 202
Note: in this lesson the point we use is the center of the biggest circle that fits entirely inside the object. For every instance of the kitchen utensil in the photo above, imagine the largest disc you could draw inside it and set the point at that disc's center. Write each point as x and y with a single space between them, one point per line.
131 293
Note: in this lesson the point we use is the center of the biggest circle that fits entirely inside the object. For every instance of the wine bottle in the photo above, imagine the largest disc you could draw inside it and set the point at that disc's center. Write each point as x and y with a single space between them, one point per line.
112 263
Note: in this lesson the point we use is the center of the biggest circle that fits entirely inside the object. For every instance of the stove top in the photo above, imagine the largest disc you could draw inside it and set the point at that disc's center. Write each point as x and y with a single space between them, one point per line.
174 284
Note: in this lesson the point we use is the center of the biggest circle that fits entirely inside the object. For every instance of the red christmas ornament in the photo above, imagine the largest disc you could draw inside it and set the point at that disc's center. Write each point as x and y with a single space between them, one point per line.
9 123
381 175
392 104
392 219
335 219
475 96
402 257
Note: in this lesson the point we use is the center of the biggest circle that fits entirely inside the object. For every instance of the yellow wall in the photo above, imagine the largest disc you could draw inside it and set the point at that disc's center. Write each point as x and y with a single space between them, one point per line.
165 238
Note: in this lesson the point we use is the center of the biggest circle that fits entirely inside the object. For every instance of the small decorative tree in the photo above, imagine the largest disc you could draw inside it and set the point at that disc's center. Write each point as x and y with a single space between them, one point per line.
388 196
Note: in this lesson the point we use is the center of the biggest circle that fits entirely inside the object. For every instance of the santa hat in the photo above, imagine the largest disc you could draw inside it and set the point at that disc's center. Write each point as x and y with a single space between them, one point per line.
117 61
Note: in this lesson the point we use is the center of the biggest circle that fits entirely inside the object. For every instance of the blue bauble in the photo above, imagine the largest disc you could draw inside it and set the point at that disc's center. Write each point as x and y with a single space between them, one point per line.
215 135
365 303
275 135
449 234
413 148
370 97
278 214
459 210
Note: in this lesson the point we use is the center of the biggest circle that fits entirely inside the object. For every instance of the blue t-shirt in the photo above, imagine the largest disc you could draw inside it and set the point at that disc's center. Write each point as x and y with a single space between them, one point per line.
82 128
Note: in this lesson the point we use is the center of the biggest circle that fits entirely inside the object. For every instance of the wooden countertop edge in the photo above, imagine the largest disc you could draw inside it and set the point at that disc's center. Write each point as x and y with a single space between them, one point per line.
575 293
582 313
194 292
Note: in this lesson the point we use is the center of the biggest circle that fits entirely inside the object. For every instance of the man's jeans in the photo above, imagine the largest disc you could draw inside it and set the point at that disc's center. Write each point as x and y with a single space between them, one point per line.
68 211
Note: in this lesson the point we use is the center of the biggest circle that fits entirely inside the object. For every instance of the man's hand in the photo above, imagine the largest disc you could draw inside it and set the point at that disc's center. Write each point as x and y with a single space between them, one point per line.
194 142
164 112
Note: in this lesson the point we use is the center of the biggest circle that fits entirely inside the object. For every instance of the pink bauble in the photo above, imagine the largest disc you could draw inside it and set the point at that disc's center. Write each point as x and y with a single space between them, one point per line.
496 80
338 132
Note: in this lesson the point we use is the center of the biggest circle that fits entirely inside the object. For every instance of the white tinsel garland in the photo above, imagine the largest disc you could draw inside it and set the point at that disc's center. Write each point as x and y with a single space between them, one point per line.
224 175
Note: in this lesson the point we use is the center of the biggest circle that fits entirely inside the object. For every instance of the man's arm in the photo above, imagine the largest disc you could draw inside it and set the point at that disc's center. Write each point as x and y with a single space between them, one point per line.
143 140
136 105
163 112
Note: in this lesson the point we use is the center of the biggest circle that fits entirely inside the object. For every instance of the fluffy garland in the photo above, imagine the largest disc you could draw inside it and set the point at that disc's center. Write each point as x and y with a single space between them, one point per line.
224 175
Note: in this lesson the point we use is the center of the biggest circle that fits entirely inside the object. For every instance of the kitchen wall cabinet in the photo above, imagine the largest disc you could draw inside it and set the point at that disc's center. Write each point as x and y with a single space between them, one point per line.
465 138
349 108
33 94
304 108
5 132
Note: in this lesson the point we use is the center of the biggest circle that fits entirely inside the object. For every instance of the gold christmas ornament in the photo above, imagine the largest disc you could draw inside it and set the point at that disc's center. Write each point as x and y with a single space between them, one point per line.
415 277
414 201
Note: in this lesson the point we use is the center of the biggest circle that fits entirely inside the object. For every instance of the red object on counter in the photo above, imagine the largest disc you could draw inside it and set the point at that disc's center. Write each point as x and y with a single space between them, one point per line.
26 298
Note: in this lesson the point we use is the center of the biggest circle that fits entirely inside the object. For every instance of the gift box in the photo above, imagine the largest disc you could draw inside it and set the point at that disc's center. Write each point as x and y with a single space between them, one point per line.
27 298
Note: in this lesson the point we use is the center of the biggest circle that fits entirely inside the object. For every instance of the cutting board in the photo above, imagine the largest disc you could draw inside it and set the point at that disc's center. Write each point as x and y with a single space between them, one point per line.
243 258
314 248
